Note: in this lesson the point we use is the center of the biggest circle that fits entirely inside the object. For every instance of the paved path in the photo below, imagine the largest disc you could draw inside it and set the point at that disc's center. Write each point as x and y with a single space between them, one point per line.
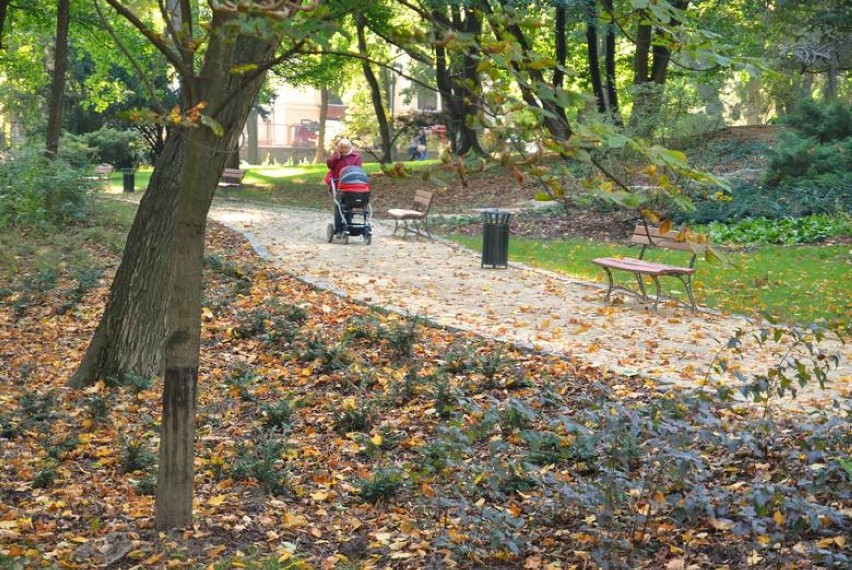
549 311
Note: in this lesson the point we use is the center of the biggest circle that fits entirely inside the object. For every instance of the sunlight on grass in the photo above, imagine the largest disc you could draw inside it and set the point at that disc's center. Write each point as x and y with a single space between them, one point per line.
801 284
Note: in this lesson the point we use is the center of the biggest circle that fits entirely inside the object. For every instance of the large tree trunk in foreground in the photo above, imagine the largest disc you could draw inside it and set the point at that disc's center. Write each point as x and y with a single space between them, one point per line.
205 156
129 337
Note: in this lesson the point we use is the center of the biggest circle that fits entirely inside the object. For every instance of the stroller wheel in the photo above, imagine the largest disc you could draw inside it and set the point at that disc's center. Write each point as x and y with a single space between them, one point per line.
345 239
330 233
368 238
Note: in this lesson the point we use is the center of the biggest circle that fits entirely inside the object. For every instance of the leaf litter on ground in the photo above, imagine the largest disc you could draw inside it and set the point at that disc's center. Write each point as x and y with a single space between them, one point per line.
333 434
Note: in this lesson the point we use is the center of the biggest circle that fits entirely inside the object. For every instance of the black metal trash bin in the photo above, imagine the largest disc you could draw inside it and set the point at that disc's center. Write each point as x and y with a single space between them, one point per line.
129 179
495 238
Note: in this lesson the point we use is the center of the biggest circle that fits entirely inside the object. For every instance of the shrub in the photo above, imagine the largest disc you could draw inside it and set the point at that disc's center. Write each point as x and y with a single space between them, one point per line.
121 148
40 193
823 122
826 194
820 143
383 485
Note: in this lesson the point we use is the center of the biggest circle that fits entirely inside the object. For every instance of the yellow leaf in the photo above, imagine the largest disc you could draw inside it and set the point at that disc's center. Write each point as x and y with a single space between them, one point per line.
779 518
319 495
215 551
294 521
377 440
151 560
216 501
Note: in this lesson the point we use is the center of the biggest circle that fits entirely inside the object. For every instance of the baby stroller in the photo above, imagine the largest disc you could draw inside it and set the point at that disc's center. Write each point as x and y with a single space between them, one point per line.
352 210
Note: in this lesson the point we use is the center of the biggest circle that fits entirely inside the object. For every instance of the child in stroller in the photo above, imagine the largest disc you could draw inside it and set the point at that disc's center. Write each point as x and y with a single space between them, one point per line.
350 194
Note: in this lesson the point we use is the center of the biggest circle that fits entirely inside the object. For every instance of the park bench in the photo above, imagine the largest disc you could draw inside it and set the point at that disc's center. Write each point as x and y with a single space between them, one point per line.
103 170
651 237
232 178
414 220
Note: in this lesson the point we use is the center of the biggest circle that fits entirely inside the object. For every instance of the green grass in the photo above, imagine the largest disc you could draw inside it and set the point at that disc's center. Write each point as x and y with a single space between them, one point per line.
801 284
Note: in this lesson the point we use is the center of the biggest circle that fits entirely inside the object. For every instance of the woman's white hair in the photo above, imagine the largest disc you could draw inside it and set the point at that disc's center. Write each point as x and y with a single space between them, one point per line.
344 142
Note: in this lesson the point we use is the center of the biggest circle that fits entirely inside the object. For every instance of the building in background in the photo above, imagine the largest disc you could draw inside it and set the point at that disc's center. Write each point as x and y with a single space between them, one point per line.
289 132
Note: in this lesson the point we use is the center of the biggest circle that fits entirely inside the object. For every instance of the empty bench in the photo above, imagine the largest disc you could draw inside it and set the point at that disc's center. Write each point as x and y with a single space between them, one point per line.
232 178
103 170
414 220
650 237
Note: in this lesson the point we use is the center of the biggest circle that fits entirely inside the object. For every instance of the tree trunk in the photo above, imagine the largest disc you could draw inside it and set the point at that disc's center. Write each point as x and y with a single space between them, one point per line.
375 93
252 151
611 89
57 86
319 157
593 58
129 337
203 164
4 5
650 70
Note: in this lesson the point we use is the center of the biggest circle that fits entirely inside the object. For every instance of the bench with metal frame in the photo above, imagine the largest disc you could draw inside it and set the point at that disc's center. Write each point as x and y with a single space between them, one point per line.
649 237
414 220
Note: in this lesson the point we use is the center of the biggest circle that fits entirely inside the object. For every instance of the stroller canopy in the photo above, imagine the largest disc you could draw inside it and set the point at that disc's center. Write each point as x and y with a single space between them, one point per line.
354 179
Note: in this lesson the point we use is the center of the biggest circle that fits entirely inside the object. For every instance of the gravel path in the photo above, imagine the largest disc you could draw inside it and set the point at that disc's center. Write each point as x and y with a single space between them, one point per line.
548 311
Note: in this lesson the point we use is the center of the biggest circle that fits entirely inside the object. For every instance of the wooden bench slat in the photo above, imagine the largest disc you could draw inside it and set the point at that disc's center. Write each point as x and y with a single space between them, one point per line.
652 237
417 215
232 177
639 265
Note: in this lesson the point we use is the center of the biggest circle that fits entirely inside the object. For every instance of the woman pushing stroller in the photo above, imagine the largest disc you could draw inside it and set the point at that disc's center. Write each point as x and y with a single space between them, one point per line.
350 191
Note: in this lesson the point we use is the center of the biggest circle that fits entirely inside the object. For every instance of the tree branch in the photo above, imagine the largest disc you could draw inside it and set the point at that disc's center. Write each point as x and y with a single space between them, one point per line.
152 37
143 77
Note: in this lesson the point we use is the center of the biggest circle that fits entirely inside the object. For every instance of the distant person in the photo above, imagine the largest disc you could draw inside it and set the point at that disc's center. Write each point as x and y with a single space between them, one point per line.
421 145
412 149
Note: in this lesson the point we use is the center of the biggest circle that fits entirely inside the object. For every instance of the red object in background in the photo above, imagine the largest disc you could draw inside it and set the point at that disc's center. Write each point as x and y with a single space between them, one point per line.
306 133
438 130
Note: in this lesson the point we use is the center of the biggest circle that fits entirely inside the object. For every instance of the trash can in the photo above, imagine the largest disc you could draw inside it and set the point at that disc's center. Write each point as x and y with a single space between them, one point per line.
129 179
495 238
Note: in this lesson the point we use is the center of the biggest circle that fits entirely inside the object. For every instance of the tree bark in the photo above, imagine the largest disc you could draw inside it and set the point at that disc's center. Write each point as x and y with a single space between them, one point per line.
252 150
593 58
205 155
611 89
57 86
4 5
385 135
129 336
650 69
319 157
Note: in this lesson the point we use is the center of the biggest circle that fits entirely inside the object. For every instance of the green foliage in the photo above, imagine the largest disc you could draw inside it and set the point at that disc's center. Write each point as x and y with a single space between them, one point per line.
800 161
146 486
40 193
820 145
264 462
828 194
353 416
44 478
278 415
135 456
121 148
241 382
785 231
823 122
383 485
